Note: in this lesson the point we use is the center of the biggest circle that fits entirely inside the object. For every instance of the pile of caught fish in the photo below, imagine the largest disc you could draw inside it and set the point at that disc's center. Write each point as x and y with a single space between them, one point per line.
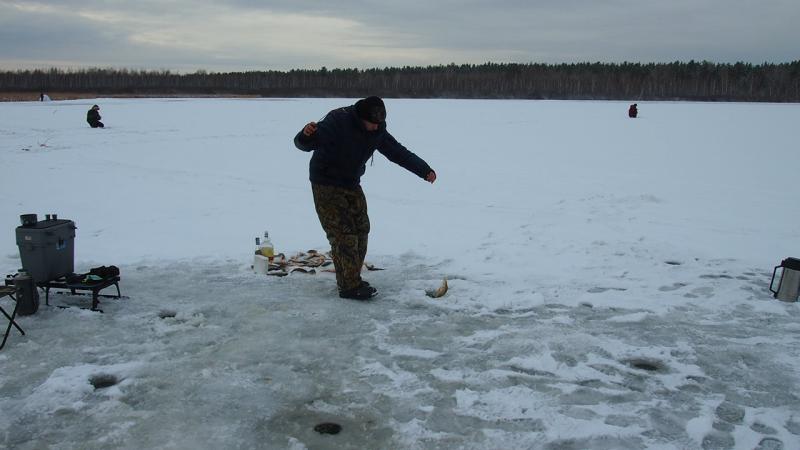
305 262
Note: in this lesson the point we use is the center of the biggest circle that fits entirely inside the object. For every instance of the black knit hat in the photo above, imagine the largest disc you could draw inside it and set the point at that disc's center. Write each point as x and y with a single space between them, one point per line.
371 109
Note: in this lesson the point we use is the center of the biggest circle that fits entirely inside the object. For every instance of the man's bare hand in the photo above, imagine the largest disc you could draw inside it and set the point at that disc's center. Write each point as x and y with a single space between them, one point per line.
310 128
431 177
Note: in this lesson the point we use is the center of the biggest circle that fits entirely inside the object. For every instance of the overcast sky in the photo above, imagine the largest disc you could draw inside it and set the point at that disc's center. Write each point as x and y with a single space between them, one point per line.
239 35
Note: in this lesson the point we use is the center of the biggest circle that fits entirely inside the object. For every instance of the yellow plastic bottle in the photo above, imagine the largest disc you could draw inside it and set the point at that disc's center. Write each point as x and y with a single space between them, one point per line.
266 248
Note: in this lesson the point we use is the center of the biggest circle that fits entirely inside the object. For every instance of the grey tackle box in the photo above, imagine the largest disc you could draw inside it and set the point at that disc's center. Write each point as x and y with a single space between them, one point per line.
47 248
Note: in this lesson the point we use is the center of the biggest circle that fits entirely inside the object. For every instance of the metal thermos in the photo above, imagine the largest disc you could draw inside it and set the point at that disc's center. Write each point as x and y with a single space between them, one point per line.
27 295
788 282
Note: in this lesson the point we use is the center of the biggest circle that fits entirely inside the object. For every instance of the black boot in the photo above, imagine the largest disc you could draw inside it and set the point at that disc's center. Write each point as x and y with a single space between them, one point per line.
361 292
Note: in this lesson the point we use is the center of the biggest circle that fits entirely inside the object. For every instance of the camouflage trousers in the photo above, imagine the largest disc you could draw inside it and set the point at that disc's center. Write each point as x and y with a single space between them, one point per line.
343 215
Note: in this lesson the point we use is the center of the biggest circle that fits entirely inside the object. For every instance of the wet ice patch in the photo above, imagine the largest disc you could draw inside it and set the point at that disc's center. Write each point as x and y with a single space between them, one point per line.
539 414
413 352
71 388
514 302
487 295
545 363
480 337
505 404
395 381
619 298
632 317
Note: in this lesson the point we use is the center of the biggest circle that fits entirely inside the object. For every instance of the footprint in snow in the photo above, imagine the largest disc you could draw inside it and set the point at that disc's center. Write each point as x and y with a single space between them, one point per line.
598 290
675 286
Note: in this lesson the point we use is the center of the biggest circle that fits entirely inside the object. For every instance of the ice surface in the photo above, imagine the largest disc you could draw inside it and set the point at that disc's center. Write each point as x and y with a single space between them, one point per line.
608 280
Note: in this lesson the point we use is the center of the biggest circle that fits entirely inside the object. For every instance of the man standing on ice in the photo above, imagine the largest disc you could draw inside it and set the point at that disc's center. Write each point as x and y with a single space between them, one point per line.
342 143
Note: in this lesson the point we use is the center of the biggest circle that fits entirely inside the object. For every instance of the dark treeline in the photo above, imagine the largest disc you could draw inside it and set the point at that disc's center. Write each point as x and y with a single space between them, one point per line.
627 81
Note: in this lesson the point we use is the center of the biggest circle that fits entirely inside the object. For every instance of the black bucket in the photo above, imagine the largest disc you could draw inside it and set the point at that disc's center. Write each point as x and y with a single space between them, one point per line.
27 295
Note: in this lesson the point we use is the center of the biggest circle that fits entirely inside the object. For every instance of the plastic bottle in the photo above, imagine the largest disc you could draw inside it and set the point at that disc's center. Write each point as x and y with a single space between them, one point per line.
260 263
266 247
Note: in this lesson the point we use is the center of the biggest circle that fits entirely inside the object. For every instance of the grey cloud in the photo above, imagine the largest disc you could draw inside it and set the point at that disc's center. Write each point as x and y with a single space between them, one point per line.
465 31
41 36
564 30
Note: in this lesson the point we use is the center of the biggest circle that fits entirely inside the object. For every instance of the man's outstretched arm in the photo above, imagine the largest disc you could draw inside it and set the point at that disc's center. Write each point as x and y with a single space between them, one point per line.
403 157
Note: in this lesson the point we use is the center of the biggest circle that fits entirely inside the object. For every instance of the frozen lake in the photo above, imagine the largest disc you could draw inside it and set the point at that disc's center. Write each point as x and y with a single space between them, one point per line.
608 279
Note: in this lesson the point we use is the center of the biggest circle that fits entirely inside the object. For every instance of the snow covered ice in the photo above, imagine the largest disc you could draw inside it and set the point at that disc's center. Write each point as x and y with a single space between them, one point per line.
608 279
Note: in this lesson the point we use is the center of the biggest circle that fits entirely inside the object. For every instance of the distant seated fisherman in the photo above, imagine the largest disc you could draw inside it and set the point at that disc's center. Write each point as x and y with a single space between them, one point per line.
93 117
633 111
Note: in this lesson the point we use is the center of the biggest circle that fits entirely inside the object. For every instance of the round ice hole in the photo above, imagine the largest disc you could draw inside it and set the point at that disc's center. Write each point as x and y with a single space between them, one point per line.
103 380
167 313
328 428
648 365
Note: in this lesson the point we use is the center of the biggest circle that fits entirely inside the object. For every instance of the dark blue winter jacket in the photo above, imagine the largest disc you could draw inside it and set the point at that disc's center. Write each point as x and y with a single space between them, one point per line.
342 146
